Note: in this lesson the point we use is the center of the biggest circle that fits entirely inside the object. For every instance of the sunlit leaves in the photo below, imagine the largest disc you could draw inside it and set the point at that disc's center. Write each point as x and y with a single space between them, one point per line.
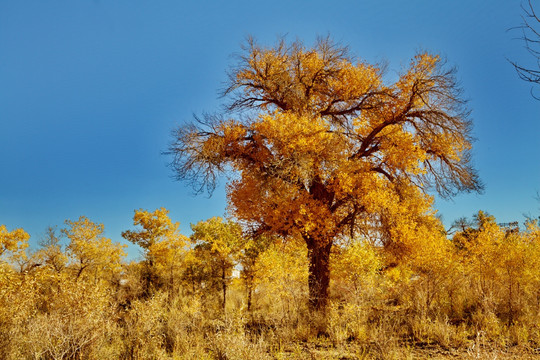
158 235
163 245
503 264
13 243
90 251
217 246
51 254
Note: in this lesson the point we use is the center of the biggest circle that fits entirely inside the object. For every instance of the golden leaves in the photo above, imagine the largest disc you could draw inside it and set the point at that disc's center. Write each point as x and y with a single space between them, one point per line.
158 235
223 238
89 249
15 242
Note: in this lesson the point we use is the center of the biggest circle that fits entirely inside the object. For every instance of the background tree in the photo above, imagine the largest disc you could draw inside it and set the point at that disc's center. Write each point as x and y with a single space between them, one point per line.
222 242
502 266
163 245
530 30
89 250
252 249
354 269
51 254
320 147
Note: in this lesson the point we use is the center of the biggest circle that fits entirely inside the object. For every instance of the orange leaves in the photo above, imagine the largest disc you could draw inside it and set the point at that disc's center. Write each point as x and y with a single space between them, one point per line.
298 144
401 150
221 237
354 80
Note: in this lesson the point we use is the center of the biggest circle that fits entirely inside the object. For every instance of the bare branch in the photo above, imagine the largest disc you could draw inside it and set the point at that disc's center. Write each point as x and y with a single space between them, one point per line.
530 35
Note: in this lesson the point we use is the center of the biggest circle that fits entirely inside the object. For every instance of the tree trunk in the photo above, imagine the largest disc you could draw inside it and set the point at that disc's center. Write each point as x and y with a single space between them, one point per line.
249 301
224 284
319 275
249 289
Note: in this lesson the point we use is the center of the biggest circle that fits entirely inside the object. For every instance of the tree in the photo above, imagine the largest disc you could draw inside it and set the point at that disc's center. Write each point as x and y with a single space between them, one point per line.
51 254
249 257
355 267
163 245
89 249
222 241
530 30
319 147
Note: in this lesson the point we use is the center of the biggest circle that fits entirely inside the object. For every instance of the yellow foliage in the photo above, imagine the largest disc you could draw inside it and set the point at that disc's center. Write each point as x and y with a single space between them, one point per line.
13 243
281 280
503 266
478 290
89 250
217 246
159 237
163 244
355 269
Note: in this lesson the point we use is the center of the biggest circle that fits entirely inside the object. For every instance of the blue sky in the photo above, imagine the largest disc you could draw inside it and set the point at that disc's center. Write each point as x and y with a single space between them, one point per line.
90 91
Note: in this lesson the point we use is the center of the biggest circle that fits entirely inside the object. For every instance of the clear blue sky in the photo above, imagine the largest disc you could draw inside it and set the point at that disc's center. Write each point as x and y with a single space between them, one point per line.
90 91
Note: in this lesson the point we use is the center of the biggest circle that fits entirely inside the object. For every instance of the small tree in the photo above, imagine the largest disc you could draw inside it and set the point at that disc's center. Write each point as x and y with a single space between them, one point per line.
89 250
502 265
252 249
163 245
219 243
51 254
321 147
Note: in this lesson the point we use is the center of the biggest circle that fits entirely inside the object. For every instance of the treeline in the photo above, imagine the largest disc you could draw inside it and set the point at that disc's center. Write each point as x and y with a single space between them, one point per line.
221 294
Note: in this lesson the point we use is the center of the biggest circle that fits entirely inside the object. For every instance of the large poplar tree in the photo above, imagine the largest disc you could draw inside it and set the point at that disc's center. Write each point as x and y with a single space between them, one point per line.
318 146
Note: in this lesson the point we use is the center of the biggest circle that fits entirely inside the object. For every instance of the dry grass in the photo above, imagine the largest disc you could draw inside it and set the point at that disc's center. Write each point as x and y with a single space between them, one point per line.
184 328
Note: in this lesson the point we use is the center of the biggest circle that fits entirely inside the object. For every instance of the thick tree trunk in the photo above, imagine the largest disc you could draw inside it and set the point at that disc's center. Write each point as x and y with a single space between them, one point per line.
319 275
